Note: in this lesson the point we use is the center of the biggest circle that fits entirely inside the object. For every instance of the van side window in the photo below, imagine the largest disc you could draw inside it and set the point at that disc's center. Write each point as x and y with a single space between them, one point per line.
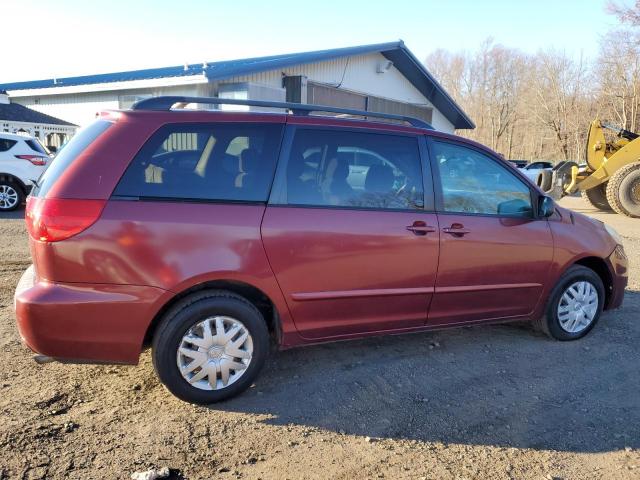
234 162
474 183
349 169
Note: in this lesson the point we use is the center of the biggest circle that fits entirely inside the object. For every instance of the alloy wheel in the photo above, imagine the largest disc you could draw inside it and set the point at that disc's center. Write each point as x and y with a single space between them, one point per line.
8 197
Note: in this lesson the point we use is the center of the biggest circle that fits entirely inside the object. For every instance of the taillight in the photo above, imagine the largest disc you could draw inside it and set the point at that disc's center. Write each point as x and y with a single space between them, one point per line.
55 219
38 160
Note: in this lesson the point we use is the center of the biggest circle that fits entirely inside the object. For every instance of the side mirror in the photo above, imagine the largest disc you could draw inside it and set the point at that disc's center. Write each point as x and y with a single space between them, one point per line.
546 206
515 207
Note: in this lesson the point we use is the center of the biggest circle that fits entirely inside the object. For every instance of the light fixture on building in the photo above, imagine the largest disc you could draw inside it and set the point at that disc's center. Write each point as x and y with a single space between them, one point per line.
384 67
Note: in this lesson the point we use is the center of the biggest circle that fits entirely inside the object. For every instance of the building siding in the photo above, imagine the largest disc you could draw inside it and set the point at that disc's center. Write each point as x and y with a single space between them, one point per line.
356 73
81 108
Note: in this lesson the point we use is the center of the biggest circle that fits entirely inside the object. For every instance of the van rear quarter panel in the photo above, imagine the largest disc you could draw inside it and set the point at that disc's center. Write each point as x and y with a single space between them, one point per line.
168 245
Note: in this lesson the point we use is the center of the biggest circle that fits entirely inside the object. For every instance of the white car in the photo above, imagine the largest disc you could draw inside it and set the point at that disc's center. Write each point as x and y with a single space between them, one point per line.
22 161
534 168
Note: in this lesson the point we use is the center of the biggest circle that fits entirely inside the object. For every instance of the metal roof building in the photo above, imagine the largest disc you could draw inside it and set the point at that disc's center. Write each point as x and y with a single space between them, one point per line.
15 118
384 77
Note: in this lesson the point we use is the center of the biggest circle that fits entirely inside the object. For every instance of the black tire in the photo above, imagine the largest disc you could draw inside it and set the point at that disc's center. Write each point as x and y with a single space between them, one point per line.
550 324
8 185
544 180
597 197
187 313
623 190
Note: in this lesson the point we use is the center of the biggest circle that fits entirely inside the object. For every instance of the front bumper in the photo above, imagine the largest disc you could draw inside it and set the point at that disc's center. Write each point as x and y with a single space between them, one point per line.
84 322
619 268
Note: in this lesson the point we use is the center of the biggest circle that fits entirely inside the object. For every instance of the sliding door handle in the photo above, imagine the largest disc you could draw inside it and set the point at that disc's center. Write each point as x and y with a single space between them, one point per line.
421 228
456 229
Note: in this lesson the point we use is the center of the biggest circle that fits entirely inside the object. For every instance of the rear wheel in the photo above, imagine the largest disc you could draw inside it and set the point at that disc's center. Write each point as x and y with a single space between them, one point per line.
210 347
574 306
597 197
11 196
623 190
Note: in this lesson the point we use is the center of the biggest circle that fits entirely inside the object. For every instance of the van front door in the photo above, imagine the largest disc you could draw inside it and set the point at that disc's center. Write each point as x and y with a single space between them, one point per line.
494 255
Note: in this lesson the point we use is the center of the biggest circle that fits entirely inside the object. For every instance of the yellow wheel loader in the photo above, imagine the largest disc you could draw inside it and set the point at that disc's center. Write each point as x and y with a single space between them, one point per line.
611 178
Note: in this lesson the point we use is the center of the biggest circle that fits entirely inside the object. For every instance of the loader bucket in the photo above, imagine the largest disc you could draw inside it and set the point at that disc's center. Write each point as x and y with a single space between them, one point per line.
553 182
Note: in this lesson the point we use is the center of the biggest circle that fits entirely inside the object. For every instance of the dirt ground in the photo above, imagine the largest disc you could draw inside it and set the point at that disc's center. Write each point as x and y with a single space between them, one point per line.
497 402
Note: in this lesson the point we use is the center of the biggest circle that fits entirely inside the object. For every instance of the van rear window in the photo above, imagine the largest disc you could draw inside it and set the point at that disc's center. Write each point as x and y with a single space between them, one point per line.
68 154
211 162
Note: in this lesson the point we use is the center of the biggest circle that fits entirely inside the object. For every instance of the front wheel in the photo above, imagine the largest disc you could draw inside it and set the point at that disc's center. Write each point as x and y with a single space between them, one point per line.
574 306
210 346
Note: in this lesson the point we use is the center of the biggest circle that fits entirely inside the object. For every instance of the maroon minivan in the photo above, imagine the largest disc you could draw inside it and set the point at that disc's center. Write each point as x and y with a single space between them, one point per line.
208 235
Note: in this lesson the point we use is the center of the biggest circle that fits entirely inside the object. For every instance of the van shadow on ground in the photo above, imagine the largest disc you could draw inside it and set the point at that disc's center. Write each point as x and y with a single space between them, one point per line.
493 385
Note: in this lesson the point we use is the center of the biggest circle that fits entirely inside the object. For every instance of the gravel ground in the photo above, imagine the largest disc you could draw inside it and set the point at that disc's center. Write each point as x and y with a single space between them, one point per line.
482 402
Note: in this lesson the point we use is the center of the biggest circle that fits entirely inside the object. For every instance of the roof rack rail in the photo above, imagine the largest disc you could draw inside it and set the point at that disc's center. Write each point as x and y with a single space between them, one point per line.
166 102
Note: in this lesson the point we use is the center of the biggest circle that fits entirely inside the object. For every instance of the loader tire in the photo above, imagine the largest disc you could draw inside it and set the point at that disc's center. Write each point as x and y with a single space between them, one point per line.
544 180
597 197
623 190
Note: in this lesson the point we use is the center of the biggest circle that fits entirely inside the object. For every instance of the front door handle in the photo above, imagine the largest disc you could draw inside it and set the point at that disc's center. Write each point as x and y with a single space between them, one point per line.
456 229
420 228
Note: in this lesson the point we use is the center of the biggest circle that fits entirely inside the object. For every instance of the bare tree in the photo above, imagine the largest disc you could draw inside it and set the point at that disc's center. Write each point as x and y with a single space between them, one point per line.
618 69
626 14
540 106
487 83
525 106
561 100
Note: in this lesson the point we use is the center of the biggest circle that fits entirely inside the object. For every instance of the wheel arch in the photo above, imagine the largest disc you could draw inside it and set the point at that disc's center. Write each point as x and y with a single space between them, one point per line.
599 266
14 179
251 293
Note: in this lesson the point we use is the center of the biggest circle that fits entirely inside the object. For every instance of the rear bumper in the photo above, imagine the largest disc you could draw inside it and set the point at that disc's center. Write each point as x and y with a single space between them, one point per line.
84 322
619 267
